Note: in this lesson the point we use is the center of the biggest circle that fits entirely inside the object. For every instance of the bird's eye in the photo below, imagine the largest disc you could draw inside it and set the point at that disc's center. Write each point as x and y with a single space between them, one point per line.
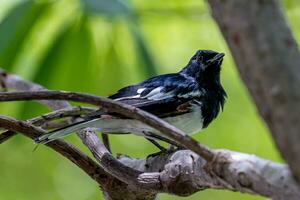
200 59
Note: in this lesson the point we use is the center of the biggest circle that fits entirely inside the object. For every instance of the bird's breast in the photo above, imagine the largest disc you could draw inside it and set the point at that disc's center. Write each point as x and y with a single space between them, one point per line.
189 123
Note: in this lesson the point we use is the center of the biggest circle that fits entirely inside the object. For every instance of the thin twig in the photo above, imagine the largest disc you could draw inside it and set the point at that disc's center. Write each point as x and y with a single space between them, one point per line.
42 120
14 82
61 113
105 141
6 135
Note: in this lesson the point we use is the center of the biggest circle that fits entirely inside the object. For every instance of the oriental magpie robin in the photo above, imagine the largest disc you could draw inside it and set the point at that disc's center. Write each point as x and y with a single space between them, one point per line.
189 100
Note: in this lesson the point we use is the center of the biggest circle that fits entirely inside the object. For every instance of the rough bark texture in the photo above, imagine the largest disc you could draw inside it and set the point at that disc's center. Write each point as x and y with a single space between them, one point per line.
184 173
268 60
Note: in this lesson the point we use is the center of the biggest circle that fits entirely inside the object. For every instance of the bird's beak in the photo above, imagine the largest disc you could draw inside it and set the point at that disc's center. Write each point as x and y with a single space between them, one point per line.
217 58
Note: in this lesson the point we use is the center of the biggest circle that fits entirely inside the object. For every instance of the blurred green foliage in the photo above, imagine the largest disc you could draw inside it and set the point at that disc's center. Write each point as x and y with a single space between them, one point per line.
98 46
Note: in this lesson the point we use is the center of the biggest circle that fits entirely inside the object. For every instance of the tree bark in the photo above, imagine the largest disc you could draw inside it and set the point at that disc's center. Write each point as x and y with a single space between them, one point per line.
268 60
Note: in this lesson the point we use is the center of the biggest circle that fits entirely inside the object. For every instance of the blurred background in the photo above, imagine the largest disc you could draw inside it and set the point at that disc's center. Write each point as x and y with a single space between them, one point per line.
98 46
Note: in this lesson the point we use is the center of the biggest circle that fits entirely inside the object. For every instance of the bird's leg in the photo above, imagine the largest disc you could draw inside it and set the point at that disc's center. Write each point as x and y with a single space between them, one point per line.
150 136
158 137
161 148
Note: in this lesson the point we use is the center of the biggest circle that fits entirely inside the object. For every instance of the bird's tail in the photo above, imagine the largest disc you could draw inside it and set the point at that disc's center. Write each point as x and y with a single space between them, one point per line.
64 131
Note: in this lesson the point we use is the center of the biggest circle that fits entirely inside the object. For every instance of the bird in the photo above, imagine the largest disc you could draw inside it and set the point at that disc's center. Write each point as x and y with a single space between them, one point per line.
189 100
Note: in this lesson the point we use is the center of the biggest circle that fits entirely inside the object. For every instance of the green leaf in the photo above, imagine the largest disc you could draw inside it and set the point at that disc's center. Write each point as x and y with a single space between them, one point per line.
144 55
113 70
48 64
110 8
14 29
46 72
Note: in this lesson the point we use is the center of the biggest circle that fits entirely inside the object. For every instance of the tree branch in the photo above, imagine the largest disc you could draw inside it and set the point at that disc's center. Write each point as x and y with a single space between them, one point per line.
116 168
268 60
64 148
184 173
11 81
45 119
120 108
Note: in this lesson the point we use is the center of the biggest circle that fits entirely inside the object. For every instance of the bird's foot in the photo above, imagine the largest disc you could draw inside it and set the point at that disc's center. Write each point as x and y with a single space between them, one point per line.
172 149
161 152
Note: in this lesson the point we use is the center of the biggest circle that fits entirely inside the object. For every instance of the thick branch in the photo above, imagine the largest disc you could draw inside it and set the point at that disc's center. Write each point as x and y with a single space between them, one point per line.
113 166
184 173
268 59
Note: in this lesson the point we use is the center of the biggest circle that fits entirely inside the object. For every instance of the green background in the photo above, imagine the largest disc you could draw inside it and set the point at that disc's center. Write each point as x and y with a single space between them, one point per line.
98 46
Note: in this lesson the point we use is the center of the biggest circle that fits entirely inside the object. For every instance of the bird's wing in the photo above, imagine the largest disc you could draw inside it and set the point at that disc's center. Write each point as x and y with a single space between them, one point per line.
161 95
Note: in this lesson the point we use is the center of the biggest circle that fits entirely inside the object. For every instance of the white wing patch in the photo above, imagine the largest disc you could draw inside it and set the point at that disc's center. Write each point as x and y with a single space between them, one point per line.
130 97
140 90
195 93
157 94
154 92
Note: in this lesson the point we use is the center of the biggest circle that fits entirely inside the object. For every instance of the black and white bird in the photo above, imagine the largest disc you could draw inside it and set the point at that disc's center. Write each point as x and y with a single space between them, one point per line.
189 100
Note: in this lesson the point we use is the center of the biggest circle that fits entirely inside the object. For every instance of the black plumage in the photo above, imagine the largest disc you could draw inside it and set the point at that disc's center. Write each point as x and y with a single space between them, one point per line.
199 75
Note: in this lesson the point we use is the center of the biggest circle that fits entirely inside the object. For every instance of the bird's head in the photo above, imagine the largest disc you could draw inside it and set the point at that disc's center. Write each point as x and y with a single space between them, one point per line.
205 66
